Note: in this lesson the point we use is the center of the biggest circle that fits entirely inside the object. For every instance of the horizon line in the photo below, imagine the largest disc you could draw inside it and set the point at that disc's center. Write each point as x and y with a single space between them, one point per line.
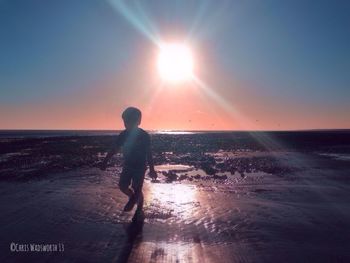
184 130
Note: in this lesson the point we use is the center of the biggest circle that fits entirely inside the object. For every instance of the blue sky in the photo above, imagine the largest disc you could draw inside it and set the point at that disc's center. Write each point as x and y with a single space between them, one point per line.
291 55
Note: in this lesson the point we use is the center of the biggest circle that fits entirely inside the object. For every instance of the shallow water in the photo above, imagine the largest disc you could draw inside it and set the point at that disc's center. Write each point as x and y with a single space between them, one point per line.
259 218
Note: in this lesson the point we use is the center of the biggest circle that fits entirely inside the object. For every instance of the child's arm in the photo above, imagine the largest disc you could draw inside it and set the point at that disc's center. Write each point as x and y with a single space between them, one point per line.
152 171
110 154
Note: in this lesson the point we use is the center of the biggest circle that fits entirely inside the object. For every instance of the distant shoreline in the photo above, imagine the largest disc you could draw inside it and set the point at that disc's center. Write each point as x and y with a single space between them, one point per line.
175 130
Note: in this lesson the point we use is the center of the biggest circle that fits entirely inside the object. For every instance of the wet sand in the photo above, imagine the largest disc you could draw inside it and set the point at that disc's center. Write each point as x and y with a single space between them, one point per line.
222 203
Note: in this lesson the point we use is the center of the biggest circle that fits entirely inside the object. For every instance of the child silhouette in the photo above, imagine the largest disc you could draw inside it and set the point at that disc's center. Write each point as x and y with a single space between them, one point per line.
136 147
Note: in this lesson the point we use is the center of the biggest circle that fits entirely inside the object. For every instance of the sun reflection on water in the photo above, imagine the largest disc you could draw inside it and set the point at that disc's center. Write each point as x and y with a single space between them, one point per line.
178 198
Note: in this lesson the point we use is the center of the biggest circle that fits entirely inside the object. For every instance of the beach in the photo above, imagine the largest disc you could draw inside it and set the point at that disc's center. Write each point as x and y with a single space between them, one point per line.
219 197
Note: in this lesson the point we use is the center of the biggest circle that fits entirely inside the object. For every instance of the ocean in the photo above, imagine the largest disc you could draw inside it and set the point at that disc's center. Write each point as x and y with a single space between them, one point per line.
69 133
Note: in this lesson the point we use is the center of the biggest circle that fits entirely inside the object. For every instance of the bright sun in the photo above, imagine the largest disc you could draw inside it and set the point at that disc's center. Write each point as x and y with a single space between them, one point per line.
175 62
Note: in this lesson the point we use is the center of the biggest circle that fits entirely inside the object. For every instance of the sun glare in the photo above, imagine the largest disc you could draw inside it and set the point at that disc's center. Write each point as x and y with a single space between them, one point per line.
175 62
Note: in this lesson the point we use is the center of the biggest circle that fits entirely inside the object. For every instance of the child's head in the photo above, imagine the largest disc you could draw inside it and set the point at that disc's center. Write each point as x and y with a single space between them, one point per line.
131 117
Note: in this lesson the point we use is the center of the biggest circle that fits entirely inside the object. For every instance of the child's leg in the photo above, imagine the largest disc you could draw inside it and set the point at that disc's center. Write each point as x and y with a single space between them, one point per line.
126 190
139 198
124 183
137 185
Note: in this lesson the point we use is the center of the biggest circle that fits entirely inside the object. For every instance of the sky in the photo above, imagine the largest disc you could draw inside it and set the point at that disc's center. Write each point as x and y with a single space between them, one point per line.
258 65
